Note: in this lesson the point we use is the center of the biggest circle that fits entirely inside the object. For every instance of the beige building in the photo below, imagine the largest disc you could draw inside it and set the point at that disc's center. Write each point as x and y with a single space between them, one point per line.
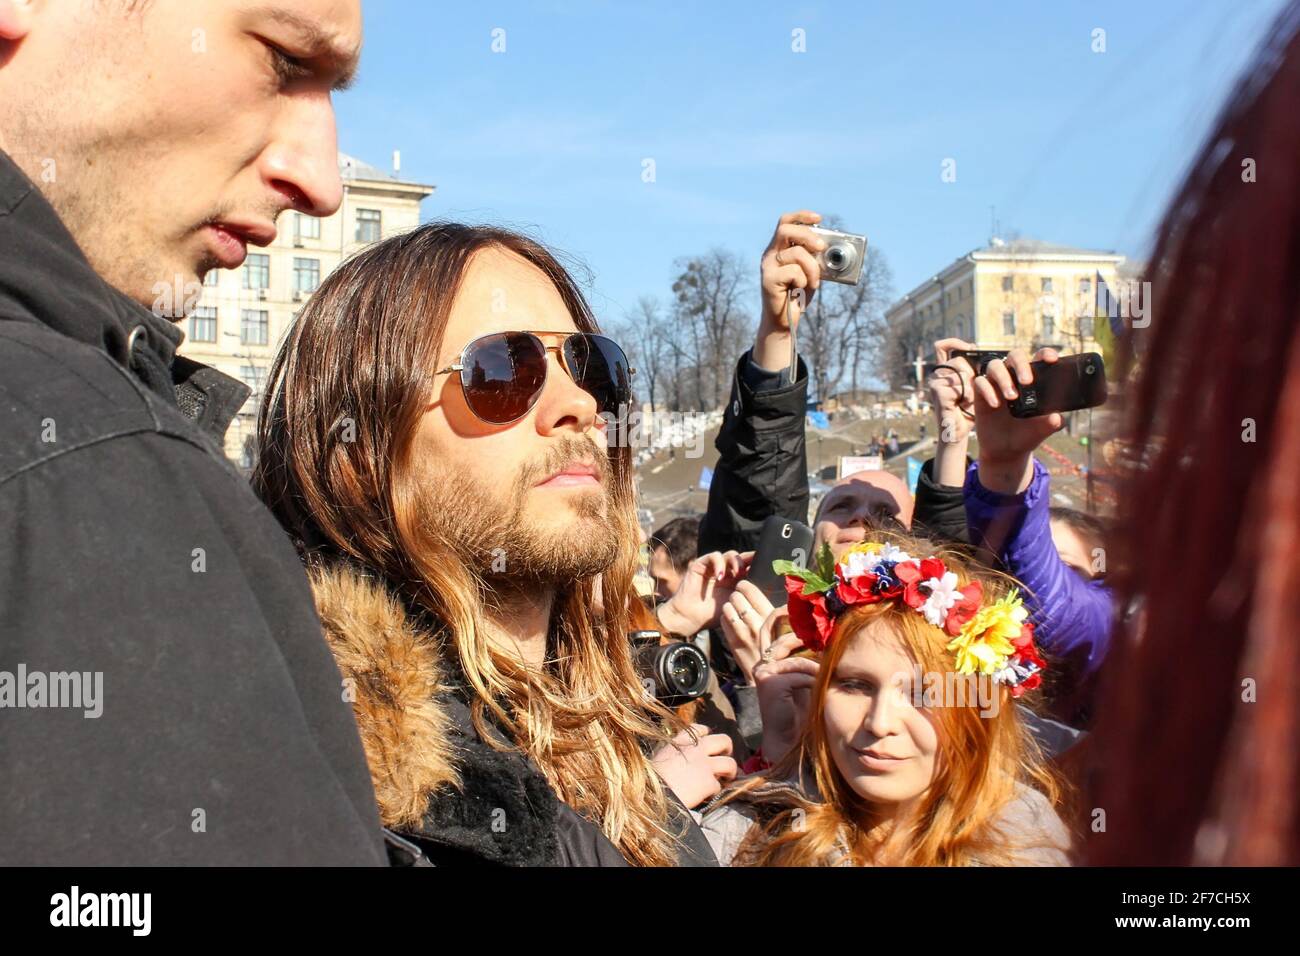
1019 292
244 314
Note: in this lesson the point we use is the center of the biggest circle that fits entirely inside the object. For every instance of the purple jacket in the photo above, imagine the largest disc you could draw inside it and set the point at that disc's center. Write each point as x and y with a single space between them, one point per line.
1072 617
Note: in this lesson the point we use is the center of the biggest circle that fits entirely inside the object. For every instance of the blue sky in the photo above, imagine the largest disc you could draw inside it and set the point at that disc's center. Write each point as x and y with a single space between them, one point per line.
1069 145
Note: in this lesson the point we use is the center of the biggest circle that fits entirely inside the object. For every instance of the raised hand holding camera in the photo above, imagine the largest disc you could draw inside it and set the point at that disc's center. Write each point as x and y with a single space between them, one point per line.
789 277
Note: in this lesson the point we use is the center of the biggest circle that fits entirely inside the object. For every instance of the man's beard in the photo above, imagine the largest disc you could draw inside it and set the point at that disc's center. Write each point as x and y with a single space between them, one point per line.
489 534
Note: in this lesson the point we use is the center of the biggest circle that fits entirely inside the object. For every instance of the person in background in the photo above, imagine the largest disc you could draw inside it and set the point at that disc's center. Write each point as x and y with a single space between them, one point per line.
1080 540
940 504
762 467
940 494
1196 750
1007 497
672 548
859 503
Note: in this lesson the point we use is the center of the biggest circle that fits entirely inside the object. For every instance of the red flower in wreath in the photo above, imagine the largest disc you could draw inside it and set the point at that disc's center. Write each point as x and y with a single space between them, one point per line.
1026 649
808 615
912 573
1029 683
961 612
859 590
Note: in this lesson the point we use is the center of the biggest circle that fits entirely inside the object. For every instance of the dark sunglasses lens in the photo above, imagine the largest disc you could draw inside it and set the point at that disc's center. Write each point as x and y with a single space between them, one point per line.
600 367
503 375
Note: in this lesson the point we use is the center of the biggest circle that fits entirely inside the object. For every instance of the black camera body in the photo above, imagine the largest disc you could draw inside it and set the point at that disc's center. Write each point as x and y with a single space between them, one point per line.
675 673
1066 385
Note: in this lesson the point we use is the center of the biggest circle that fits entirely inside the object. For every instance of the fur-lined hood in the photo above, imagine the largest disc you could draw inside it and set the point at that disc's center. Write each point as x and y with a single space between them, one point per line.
394 677
435 779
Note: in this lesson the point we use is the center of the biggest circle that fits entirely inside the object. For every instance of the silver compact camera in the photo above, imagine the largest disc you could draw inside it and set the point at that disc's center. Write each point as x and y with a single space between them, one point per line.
841 260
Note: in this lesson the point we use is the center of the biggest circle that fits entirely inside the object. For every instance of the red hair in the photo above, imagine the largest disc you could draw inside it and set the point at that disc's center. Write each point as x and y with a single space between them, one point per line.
1198 715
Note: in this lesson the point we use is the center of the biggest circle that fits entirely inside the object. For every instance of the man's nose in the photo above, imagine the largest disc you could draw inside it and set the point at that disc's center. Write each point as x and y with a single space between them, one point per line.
303 161
564 405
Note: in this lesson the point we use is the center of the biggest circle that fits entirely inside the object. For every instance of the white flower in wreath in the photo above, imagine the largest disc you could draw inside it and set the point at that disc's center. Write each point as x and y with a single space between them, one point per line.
944 593
1007 675
859 562
891 552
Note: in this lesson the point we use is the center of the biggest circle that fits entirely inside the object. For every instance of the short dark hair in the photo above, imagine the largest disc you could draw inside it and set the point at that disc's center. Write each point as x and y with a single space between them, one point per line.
1091 528
680 538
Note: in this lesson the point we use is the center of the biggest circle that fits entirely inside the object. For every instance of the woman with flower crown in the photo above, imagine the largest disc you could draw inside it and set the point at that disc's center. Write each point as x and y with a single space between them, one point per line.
912 753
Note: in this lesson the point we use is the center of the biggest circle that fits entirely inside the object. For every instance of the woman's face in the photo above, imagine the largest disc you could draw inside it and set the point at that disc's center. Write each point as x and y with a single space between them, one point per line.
884 747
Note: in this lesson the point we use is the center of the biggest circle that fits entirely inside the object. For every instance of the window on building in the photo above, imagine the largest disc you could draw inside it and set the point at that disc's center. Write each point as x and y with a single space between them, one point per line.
369 225
253 325
305 227
1007 283
257 272
212 279
1085 327
1047 284
1008 323
1085 286
1049 327
203 325
306 275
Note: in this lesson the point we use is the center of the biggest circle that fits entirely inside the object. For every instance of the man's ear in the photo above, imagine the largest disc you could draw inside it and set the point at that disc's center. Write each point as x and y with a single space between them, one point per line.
15 19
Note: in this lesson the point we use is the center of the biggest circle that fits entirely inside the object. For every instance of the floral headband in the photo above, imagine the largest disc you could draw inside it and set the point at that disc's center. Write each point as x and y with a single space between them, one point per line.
992 639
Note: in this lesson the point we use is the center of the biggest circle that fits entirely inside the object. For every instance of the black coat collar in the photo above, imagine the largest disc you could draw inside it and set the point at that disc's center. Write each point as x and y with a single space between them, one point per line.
45 278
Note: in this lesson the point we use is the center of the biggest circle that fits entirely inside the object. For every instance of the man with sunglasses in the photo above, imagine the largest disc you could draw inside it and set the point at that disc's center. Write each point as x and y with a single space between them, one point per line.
440 439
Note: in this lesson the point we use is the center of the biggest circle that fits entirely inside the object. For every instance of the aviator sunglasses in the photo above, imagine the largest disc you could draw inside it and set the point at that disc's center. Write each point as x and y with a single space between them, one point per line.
503 374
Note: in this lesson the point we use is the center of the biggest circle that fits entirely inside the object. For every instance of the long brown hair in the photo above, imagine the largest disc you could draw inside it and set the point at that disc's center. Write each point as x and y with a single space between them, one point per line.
983 759
1198 737
345 395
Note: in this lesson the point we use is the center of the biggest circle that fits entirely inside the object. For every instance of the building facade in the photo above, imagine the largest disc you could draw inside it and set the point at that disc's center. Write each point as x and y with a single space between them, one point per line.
244 314
1013 293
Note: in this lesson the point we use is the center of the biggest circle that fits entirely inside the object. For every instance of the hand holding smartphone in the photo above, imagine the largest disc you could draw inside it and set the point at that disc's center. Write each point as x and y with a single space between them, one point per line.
1066 385
782 539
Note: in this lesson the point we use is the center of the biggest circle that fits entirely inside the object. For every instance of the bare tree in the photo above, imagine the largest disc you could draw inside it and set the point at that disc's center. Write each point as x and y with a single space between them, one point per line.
844 331
644 333
709 294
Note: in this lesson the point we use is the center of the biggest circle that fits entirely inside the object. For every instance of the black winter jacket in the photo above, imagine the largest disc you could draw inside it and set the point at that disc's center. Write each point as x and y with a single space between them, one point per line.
135 556
940 510
438 782
763 465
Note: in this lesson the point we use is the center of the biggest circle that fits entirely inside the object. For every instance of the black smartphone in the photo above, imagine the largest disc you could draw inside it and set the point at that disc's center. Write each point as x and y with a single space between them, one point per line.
782 539
1066 385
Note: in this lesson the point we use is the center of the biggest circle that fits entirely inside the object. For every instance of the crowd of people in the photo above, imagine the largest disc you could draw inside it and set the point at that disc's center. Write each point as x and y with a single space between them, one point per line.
410 640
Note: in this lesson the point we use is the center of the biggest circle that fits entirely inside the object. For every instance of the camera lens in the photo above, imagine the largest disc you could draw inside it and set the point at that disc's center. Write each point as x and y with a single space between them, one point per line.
840 257
685 673
1090 369
678 671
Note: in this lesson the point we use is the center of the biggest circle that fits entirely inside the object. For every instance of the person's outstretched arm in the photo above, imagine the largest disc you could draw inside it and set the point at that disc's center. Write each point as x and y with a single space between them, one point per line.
1008 498
762 468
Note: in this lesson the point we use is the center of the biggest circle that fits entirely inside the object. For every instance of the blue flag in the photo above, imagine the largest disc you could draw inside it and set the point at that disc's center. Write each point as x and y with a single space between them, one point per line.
913 473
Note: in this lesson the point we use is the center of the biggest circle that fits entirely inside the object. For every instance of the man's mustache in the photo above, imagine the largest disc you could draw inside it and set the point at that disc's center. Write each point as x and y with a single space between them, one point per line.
570 451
